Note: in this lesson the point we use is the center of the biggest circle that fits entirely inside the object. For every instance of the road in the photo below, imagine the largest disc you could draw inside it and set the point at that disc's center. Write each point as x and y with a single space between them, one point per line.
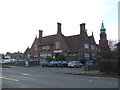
39 77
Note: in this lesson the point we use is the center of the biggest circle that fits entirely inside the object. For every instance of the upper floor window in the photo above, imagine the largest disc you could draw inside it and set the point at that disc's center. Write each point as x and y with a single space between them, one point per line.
86 46
57 45
35 47
45 47
92 47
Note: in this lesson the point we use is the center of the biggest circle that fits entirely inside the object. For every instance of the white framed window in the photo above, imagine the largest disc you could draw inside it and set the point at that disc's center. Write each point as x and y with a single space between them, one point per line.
92 47
57 45
45 47
93 55
86 55
86 46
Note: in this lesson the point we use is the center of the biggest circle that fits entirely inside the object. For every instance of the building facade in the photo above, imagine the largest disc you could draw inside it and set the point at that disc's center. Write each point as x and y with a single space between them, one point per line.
15 55
76 47
1 56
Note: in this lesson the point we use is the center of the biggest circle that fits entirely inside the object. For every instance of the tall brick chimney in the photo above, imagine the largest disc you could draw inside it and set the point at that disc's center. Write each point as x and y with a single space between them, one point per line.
82 27
59 28
40 34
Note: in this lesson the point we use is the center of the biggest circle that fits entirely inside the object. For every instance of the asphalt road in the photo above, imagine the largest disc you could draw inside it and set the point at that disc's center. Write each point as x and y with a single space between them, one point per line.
39 77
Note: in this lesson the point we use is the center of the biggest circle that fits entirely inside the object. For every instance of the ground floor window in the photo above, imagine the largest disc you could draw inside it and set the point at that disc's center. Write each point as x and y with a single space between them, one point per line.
86 55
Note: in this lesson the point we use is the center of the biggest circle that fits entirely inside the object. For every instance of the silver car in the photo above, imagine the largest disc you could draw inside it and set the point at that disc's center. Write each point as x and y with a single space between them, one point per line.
74 64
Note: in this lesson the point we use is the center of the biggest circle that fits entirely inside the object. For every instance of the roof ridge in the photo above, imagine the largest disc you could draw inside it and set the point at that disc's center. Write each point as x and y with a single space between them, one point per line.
73 35
50 35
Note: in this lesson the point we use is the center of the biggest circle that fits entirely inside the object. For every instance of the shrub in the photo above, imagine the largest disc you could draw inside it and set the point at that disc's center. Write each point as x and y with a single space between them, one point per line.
108 65
61 57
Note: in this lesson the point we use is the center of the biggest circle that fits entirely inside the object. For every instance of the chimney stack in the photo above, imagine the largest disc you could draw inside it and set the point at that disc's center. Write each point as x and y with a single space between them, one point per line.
59 28
82 27
40 34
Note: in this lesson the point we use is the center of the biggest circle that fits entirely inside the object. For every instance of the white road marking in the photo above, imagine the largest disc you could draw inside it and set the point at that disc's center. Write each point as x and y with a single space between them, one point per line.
25 74
9 79
90 80
96 77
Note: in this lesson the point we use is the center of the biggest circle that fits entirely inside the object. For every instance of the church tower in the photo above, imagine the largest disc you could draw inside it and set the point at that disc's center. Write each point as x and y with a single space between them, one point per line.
103 42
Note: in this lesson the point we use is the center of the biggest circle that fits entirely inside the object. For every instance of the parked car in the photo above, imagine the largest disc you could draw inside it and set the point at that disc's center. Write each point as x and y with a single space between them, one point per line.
74 64
52 64
91 63
7 61
33 59
44 63
62 64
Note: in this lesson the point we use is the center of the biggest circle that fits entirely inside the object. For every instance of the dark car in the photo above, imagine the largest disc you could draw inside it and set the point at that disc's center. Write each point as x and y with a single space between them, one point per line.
52 64
91 63
62 64
34 61
44 63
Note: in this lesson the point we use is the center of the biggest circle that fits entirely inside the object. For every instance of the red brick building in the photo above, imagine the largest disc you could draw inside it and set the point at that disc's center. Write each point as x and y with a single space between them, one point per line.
76 47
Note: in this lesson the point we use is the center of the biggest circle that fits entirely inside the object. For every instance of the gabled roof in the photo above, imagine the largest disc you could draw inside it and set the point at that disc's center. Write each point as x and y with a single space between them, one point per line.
92 40
47 40
27 50
73 42
84 37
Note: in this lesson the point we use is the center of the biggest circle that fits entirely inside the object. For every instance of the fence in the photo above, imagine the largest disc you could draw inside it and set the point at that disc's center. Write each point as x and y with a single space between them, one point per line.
108 65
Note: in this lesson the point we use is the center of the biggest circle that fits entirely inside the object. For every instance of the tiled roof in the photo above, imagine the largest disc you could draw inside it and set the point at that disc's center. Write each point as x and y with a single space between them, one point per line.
91 39
73 42
47 40
27 50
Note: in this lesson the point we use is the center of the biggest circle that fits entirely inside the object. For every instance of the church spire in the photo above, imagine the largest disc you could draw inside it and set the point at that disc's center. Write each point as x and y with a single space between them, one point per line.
103 32
102 26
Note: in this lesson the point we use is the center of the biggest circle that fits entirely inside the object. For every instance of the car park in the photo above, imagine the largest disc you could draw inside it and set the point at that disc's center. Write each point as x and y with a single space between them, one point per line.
74 64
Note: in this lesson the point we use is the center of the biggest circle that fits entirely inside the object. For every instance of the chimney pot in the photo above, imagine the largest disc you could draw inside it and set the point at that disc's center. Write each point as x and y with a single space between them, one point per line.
59 28
40 33
82 27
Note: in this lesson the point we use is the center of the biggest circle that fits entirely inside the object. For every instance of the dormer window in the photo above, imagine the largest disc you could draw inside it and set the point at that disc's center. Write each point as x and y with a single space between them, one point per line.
57 45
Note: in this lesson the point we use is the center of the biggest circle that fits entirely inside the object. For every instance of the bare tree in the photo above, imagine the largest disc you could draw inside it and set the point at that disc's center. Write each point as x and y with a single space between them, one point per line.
112 44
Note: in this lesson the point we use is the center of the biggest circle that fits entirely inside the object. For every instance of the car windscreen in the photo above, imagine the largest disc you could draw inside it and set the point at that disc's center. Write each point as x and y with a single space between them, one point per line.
64 61
77 62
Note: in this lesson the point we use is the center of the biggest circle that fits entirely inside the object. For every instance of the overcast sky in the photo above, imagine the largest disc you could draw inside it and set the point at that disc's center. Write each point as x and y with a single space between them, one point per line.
20 20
